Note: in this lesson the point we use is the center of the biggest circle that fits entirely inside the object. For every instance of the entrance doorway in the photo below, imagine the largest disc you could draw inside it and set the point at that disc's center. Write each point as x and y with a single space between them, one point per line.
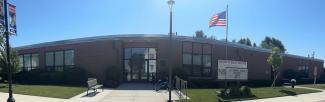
139 64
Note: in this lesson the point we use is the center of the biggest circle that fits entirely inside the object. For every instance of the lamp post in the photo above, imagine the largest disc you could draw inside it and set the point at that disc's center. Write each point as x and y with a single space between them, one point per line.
10 98
170 4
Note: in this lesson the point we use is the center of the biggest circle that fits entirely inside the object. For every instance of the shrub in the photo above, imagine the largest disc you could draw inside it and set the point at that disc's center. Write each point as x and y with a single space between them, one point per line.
70 76
233 91
245 91
113 76
75 76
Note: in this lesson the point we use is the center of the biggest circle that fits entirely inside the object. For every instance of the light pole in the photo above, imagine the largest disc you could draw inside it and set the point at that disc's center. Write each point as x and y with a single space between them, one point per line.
10 98
170 4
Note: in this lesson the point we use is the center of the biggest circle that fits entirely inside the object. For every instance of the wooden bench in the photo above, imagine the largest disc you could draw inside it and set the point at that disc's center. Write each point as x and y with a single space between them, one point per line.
93 85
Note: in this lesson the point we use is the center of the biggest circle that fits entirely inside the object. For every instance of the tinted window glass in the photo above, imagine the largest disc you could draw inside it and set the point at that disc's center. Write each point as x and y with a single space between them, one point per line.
127 53
35 60
59 58
69 57
187 59
197 60
49 59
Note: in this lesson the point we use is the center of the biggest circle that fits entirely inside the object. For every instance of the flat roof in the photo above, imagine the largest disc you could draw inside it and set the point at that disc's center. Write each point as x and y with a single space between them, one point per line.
162 36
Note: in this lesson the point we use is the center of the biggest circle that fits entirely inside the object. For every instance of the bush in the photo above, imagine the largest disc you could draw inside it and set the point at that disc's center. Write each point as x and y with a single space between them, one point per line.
245 91
233 91
75 76
113 76
70 76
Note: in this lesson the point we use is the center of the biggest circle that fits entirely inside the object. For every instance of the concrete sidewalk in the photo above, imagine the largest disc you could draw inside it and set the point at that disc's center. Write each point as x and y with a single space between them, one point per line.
312 97
28 98
129 92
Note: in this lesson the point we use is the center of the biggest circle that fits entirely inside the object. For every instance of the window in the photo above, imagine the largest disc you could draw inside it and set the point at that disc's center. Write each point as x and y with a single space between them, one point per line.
127 53
206 65
197 59
147 69
127 70
152 53
49 59
69 57
303 71
152 66
28 62
187 59
35 60
21 61
140 52
206 60
59 60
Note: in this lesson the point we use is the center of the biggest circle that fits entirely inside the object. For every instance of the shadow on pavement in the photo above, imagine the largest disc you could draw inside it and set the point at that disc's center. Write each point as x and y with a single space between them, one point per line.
91 94
291 93
135 86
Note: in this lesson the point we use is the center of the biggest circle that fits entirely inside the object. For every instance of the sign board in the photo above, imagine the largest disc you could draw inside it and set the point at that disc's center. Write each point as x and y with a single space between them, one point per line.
232 70
12 19
2 14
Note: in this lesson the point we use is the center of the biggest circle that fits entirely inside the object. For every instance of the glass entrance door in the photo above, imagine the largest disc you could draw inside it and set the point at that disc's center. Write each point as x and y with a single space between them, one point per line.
139 64
139 72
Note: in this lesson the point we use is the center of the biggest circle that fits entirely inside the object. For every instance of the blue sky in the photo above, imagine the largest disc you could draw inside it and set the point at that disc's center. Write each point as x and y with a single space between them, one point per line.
299 24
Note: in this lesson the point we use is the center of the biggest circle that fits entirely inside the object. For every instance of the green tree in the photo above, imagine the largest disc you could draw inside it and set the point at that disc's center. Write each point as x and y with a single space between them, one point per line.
212 37
270 43
275 60
254 45
3 59
245 41
200 34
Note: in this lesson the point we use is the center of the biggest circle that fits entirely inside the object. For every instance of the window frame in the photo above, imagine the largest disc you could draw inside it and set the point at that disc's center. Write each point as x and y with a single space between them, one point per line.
62 67
202 53
29 65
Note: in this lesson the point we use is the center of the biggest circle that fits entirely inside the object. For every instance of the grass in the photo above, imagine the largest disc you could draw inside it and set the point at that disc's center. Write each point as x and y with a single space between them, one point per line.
210 95
317 86
54 91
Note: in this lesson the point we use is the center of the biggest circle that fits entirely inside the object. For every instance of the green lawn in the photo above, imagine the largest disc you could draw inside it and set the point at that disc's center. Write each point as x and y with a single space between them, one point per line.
210 95
54 91
318 86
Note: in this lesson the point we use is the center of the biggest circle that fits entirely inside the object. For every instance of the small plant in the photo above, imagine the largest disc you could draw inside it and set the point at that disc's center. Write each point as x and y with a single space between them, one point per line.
230 92
245 91
113 76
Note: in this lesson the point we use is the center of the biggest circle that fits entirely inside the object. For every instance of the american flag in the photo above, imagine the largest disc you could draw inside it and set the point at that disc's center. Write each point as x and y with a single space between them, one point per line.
218 19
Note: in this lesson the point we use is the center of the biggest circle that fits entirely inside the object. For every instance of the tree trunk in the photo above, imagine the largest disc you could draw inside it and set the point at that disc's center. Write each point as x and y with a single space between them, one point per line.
275 77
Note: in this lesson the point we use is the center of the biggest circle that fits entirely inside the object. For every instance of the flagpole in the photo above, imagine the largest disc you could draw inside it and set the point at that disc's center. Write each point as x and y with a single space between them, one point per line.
227 33
226 82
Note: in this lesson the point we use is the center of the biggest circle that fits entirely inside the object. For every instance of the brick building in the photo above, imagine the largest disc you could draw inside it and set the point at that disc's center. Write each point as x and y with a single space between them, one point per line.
198 56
